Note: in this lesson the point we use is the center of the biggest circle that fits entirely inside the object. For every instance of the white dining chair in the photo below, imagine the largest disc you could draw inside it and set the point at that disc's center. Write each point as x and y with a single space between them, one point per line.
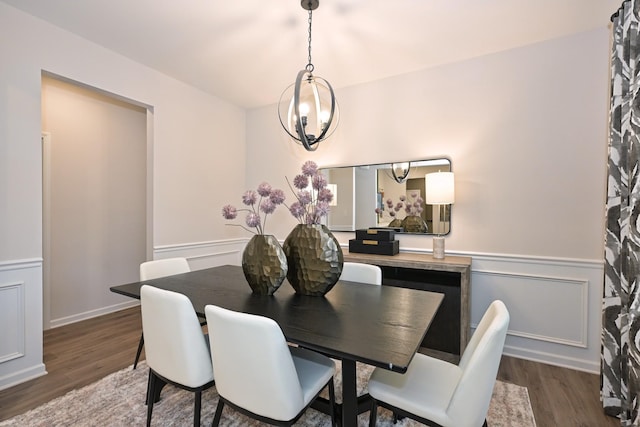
258 374
153 270
449 395
177 350
163 267
360 272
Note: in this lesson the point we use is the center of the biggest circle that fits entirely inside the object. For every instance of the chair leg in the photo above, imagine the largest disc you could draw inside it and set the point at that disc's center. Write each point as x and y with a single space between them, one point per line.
332 403
196 408
216 418
140 344
151 391
373 413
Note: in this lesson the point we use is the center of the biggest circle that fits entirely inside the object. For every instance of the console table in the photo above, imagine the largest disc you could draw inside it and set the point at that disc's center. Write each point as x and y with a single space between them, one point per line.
451 276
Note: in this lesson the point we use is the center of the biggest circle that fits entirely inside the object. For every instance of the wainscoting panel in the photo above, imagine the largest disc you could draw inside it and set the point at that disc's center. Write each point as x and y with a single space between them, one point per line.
20 321
569 297
12 312
555 306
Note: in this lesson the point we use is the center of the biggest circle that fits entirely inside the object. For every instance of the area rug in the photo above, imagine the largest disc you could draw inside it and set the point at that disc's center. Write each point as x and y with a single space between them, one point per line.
118 400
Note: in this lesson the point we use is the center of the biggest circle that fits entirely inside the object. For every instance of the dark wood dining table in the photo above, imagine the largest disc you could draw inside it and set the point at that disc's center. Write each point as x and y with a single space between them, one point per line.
381 326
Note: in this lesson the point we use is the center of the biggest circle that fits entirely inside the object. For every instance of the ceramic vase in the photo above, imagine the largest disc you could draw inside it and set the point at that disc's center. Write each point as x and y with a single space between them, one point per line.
264 264
315 259
414 224
396 223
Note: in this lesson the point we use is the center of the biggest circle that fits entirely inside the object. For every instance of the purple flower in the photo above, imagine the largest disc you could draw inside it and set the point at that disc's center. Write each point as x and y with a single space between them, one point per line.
301 182
277 196
304 197
267 206
322 209
264 189
249 198
412 205
269 199
311 204
309 168
325 195
229 212
253 219
318 181
297 210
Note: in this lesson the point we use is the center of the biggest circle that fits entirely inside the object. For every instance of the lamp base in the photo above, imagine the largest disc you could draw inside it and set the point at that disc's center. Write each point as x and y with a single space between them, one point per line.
438 247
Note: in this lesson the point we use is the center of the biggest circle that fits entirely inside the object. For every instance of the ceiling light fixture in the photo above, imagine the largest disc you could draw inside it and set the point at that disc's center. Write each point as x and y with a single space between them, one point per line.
400 171
310 115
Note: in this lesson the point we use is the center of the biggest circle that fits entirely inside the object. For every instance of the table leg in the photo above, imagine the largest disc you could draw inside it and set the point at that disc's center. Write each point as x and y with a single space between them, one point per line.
349 394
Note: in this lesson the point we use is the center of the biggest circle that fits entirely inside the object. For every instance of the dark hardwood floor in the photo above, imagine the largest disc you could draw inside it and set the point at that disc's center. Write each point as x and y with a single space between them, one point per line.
81 353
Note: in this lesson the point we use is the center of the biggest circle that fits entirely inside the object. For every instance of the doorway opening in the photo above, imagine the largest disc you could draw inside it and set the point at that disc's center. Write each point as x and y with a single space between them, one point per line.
96 198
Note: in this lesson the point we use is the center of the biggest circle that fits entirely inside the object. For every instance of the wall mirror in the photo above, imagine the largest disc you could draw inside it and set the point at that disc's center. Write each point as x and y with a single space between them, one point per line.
386 195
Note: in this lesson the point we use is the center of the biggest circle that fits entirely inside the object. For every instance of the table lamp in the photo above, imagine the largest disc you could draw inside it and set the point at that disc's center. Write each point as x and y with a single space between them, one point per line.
439 189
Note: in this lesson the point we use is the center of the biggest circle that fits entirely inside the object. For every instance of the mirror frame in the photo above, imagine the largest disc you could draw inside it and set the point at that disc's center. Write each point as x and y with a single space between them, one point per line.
357 186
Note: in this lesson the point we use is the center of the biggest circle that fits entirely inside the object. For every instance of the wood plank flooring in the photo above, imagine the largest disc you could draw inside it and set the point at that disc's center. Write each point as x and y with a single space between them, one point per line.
81 353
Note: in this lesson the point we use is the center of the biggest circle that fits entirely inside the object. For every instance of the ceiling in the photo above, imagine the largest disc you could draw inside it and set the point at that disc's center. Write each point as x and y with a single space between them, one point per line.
249 51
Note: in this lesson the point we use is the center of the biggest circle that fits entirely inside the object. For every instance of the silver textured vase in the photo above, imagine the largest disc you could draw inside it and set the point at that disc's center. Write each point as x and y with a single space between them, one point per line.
264 264
414 224
315 259
397 222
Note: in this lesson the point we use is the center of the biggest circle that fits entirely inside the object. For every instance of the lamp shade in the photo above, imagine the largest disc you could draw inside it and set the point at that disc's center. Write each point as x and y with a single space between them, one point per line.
439 188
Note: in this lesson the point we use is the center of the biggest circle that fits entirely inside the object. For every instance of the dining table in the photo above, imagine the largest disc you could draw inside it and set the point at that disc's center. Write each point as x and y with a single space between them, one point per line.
381 326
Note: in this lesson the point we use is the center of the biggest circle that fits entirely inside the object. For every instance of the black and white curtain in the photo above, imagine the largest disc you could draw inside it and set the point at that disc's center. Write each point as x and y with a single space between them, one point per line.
620 373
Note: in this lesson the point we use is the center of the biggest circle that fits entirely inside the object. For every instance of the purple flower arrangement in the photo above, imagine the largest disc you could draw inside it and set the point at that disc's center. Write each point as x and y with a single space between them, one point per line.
412 206
263 200
311 204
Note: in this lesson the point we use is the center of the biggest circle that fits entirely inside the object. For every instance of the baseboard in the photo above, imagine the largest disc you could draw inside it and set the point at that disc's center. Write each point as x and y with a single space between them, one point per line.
19 377
552 359
56 323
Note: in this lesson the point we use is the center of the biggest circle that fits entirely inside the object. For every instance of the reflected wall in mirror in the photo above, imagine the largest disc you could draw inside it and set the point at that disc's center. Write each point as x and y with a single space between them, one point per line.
387 195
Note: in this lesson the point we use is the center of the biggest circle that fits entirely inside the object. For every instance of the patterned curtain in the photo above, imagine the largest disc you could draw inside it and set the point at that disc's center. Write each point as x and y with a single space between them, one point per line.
620 373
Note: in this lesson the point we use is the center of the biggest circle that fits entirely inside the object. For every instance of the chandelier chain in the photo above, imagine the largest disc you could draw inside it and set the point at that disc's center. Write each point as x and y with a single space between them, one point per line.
310 66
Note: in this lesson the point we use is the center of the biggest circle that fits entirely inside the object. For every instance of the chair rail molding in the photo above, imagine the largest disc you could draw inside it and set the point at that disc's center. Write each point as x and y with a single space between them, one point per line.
205 254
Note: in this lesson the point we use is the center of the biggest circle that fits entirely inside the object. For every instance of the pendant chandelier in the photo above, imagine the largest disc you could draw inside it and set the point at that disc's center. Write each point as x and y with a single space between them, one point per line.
400 171
307 109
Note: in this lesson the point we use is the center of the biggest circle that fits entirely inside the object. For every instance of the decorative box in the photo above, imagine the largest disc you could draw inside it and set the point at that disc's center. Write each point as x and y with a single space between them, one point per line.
379 234
374 247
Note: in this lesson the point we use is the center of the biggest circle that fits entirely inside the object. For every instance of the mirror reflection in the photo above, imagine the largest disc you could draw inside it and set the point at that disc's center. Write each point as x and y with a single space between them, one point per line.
387 195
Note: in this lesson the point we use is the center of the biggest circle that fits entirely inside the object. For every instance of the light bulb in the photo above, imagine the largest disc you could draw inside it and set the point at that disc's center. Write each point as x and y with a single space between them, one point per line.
304 109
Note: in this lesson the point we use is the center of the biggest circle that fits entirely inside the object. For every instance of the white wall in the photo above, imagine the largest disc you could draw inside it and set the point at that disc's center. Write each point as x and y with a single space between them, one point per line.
190 177
526 132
